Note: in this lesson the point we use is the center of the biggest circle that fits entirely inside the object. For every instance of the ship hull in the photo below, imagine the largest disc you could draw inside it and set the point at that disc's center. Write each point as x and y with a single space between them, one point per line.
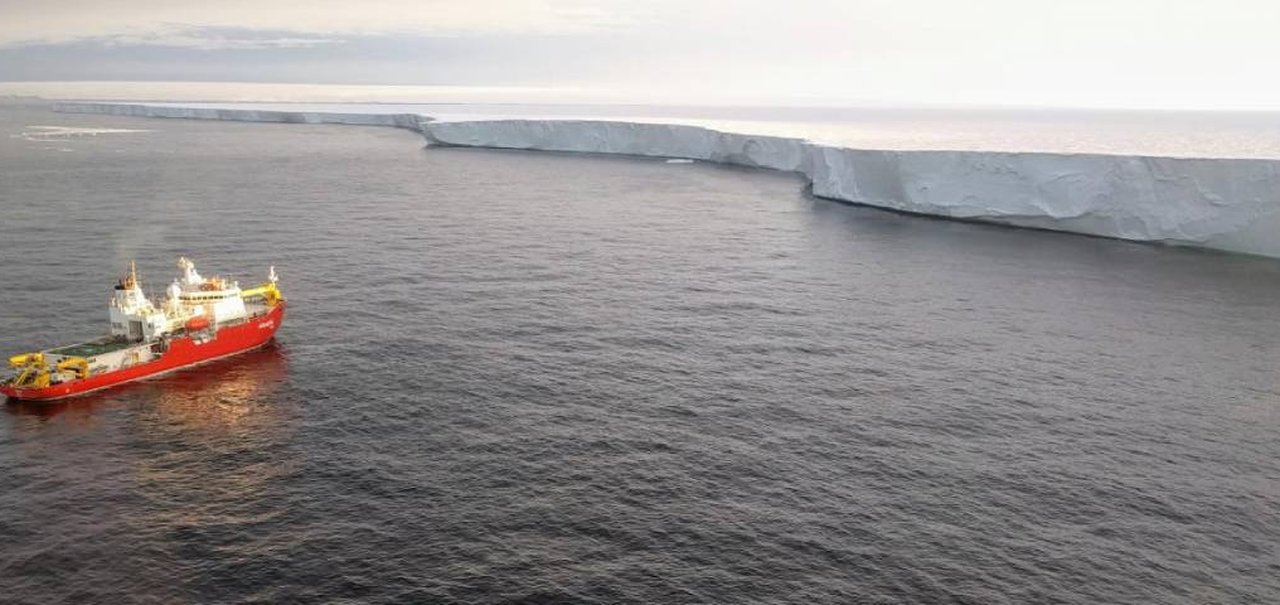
182 352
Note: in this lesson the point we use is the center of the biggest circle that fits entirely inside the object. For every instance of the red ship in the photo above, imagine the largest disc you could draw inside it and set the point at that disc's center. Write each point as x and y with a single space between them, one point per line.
201 319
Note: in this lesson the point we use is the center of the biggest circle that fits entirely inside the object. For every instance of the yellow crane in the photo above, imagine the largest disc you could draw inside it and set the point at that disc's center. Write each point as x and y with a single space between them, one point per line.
34 371
268 291
25 359
79 365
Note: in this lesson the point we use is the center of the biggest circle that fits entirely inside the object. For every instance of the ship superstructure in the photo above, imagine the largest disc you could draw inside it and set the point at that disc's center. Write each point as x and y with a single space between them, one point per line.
200 319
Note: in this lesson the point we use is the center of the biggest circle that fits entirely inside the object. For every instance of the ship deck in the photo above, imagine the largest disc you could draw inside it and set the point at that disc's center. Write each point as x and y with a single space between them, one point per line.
94 348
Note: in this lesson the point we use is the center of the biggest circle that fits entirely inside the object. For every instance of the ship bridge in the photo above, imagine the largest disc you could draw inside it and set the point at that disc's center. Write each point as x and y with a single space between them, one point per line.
215 298
133 317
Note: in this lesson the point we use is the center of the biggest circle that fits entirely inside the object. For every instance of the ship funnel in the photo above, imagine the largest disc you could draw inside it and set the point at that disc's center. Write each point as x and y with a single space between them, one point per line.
189 275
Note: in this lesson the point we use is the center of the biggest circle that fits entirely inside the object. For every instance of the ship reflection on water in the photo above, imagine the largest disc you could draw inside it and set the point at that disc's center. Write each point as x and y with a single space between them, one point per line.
225 393
217 394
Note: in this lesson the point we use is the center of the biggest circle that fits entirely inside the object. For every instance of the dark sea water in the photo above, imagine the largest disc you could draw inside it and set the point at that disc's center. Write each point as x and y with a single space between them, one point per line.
532 378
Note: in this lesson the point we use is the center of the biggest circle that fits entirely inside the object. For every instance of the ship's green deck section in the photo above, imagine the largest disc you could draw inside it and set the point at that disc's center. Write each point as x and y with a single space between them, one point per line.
91 349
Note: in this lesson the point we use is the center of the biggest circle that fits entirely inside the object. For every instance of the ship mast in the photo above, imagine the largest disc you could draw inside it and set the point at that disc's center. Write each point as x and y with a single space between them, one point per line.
132 280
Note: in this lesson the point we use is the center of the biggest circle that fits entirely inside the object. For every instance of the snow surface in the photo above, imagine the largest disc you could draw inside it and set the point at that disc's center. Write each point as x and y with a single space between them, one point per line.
1227 204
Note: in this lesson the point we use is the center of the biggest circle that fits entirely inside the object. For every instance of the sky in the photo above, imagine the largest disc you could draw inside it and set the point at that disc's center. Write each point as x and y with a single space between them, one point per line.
1176 54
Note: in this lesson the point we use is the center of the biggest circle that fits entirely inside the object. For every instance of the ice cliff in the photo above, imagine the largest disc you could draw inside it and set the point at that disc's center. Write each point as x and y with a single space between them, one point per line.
1227 204
400 120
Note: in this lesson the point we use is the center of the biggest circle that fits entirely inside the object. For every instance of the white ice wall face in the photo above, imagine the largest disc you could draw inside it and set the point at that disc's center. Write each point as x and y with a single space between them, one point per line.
399 120
1187 201
1200 202
1228 204
629 138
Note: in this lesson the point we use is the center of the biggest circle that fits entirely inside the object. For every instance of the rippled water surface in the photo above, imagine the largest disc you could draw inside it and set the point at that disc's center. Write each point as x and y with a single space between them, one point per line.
539 378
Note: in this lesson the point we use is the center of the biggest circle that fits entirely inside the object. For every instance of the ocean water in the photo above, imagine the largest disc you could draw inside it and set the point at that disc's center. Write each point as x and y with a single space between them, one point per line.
513 377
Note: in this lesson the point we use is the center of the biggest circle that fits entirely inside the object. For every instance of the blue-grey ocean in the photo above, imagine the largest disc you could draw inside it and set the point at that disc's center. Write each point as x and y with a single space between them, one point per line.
513 377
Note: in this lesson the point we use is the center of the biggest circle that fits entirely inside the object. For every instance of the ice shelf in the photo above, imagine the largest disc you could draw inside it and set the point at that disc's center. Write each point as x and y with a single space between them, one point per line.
1225 204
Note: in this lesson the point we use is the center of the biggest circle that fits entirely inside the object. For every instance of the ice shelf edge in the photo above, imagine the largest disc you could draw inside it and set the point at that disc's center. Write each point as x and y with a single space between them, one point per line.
1216 203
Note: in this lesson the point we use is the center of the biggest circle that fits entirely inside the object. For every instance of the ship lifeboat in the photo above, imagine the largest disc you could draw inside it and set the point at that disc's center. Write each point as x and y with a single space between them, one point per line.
197 323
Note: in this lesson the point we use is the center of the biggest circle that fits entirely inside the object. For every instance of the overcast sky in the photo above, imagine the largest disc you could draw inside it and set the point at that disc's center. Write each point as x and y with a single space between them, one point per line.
1120 53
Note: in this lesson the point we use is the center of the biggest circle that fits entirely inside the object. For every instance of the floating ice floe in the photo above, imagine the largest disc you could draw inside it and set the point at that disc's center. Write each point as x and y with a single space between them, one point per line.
47 133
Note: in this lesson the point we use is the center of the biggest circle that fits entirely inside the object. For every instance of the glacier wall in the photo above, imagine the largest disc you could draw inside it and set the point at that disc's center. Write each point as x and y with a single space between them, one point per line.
1226 204
399 120
1215 203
